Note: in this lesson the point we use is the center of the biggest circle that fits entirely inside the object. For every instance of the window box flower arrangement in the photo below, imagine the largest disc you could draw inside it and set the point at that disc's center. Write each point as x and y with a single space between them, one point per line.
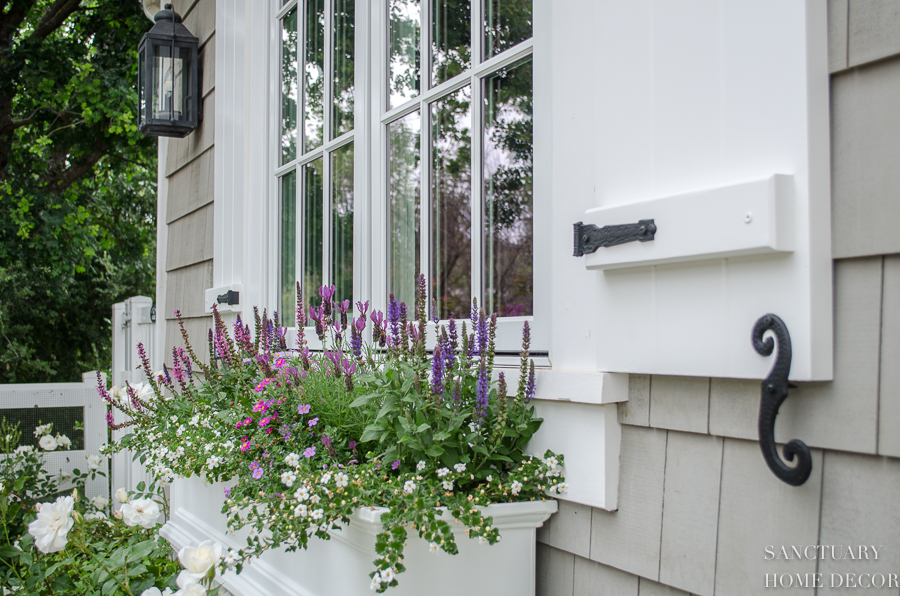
381 440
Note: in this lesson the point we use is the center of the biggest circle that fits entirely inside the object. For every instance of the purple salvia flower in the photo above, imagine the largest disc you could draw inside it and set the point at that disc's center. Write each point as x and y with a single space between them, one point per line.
132 394
437 373
529 387
101 389
481 392
393 315
110 419
473 318
482 332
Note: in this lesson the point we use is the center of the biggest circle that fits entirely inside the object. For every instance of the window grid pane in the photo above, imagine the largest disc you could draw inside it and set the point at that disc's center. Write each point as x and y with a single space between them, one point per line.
288 248
508 174
342 222
404 56
404 198
314 75
451 39
451 195
506 23
289 87
343 66
312 229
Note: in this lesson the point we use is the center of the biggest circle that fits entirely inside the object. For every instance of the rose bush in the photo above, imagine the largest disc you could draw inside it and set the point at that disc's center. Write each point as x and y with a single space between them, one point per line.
304 438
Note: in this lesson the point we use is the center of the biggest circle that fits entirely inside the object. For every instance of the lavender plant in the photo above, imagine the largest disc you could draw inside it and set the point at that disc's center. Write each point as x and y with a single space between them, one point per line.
302 438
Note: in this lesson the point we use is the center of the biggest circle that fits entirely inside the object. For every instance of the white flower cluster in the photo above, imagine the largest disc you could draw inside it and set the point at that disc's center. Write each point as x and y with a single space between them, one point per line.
47 441
382 576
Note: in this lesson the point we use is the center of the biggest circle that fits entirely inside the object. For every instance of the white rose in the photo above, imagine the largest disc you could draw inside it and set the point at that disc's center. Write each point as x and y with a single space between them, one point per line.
54 520
198 560
25 449
94 461
154 591
100 502
122 495
140 512
95 515
48 443
63 441
43 429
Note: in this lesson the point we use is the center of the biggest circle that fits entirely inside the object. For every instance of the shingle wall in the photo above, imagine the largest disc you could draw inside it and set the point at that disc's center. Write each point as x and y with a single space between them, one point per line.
697 504
189 209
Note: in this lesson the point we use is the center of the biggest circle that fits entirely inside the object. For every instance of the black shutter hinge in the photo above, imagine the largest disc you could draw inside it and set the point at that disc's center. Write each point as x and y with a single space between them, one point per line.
230 298
588 238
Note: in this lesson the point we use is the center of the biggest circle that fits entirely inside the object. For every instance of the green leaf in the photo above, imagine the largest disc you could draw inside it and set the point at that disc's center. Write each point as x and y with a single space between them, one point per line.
140 550
362 400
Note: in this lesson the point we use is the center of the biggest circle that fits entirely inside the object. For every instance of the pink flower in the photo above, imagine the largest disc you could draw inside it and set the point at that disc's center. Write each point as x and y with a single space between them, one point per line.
309 452
303 409
313 422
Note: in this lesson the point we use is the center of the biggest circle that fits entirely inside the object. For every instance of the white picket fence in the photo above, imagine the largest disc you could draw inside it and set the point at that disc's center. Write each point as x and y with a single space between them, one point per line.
58 401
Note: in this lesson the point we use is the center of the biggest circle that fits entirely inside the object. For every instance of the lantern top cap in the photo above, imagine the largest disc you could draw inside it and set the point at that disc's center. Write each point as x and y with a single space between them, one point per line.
167 14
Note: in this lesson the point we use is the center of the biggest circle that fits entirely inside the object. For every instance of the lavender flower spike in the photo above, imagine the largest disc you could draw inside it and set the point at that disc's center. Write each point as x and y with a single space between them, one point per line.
437 374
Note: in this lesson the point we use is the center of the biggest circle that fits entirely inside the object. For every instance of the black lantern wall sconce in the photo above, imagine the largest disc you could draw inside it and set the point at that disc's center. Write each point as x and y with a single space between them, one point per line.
169 103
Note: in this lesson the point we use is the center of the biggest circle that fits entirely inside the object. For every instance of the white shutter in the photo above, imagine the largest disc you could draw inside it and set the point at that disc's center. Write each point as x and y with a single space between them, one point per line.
710 117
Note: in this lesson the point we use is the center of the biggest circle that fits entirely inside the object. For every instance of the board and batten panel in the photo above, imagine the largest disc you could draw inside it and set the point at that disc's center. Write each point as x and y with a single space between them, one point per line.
698 104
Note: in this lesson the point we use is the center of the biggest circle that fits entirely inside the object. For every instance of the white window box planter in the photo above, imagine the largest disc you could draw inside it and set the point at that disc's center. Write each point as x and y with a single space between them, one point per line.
342 564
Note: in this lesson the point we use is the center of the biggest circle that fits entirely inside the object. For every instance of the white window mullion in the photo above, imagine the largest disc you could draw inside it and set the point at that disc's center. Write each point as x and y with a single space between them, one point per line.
328 74
477 191
476 36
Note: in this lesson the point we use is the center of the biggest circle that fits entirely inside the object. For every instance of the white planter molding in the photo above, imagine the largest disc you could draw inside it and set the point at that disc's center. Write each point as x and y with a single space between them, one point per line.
342 565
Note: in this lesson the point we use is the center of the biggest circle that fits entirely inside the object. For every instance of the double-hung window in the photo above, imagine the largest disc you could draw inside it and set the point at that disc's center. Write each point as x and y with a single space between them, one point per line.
317 134
448 104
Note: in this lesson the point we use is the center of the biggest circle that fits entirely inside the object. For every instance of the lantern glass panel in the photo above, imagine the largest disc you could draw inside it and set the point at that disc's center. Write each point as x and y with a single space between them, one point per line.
171 94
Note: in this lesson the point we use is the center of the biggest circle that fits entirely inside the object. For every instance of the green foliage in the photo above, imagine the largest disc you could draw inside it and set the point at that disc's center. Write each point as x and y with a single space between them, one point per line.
77 184
303 440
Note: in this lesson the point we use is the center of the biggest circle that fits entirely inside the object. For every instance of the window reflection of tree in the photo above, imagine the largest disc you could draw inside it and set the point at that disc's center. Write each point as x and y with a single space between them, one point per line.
314 67
451 200
404 75
289 87
343 69
451 40
508 191
506 23
405 205
342 222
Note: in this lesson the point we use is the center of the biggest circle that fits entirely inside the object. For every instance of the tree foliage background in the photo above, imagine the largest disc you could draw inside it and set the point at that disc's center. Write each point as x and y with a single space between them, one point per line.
77 183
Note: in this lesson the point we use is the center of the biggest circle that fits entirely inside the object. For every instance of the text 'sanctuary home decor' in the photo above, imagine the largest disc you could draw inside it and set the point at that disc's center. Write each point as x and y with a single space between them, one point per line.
389 452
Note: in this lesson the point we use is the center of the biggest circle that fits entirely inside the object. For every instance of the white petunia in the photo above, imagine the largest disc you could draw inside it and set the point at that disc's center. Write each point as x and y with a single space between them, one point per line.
482 540
231 559
48 443
460 468
489 478
195 420
443 472
317 514
387 575
376 581
315 499
301 510
94 461
516 487
447 485
433 547
293 460
326 478
140 512
288 478
341 480
420 466
409 486
301 494
50 529
551 462
562 487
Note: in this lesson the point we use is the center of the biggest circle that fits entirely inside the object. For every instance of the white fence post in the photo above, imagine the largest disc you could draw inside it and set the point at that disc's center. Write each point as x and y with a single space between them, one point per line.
131 324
